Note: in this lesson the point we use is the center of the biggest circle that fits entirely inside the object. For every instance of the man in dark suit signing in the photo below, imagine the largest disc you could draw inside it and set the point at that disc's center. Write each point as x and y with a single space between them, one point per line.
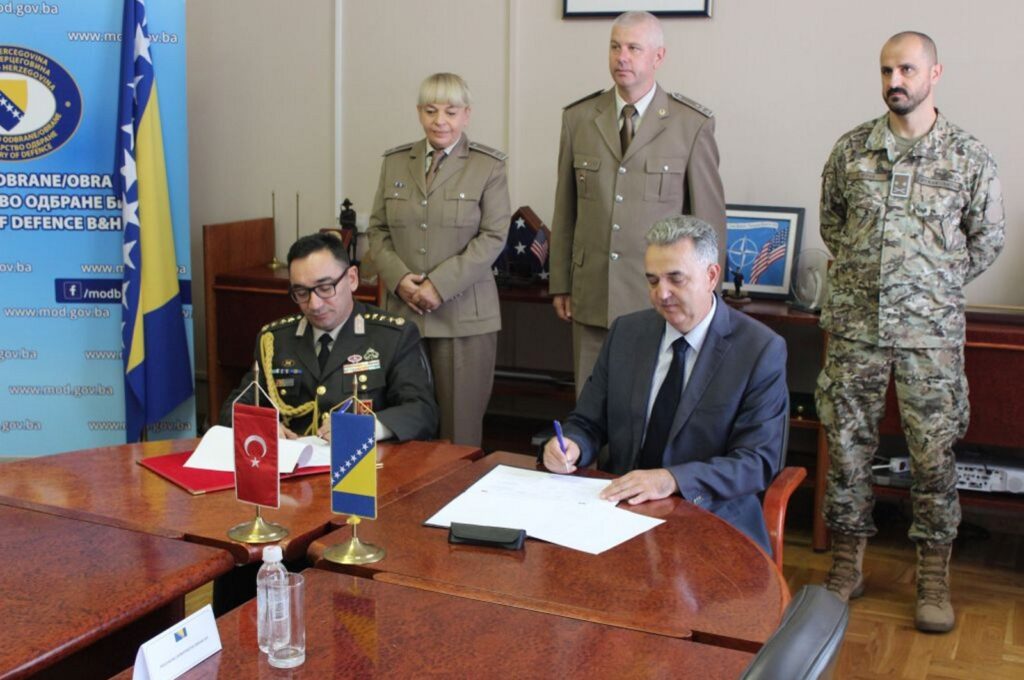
690 397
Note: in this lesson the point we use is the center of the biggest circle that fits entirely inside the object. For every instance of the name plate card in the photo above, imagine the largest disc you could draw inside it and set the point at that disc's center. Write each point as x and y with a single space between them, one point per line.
178 648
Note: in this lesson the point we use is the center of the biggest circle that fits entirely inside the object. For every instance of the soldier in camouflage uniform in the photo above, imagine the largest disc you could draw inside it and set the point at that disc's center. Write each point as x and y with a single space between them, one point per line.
911 209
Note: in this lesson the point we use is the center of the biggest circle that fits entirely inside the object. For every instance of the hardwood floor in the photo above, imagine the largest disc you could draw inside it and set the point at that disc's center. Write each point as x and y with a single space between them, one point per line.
987 577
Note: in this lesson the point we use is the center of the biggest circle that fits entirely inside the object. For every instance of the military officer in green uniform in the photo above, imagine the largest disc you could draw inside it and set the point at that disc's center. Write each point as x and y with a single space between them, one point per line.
629 156
912 210
337 347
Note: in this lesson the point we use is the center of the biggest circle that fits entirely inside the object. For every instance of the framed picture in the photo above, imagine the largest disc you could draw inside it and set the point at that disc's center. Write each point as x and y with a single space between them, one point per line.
611 8
761 245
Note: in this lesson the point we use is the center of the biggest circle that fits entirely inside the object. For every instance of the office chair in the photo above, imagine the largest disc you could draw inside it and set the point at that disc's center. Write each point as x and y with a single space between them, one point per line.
806 644
776 499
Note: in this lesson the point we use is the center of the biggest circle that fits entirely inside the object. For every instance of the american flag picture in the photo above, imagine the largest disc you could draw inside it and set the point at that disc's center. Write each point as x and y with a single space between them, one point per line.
772 251
761 247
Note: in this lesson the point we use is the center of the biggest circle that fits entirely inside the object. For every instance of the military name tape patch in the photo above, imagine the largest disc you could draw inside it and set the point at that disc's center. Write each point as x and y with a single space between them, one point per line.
40 104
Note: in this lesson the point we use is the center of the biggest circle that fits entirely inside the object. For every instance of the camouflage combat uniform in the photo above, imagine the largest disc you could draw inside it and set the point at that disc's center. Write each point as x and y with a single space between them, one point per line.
907 234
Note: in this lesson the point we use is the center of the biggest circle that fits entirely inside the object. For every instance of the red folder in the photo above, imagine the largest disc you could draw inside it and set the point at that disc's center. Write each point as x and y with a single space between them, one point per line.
171 467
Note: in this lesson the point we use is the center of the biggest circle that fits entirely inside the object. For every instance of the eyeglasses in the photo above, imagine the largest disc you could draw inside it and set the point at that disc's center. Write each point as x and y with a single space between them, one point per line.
300 294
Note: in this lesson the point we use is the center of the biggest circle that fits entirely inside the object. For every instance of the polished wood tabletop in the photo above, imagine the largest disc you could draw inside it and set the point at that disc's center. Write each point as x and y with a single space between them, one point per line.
358 628
106 485
694 576
65 584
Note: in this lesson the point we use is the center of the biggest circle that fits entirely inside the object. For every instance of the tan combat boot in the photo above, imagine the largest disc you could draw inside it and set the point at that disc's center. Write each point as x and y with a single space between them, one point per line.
846 578
934 612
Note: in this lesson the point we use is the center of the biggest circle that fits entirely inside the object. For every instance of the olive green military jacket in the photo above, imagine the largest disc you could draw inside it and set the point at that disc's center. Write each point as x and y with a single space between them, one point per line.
907 233
376 353
606 201
453 233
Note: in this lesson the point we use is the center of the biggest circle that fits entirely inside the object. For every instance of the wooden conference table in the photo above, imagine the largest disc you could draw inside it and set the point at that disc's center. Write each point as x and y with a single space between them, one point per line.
78 598
105 485
694 576
359 628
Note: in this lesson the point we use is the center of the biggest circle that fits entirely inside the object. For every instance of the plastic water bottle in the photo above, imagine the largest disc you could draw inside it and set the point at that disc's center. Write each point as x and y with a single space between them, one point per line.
272 571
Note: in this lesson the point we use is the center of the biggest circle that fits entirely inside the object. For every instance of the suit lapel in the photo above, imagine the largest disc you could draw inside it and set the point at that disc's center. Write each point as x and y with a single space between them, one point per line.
647 347
452 165
651 125
607 123
716 344
417 168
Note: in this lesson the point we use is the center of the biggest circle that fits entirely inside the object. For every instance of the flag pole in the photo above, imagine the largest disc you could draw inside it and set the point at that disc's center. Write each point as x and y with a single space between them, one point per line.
274 263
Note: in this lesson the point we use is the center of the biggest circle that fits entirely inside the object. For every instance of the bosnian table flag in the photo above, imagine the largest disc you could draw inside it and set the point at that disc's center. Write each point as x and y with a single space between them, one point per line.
256 478
353 465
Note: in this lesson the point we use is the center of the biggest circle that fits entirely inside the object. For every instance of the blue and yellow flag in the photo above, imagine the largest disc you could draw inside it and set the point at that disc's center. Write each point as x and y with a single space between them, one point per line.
353 465
157 367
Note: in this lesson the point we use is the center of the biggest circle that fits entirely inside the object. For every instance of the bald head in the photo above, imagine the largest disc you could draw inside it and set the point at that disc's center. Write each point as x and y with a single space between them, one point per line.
924 41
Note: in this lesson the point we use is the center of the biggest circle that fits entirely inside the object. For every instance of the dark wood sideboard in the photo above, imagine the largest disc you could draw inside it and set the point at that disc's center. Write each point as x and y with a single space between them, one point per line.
242 294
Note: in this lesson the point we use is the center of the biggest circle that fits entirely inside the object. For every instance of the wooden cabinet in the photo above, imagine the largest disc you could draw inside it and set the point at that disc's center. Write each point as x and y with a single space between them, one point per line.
994 362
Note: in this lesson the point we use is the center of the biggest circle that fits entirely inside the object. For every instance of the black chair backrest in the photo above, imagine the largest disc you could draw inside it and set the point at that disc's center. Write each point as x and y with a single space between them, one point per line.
806 644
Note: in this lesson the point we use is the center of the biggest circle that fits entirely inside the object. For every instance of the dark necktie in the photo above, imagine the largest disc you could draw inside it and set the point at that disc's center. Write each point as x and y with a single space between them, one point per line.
664 411
325 351
626 131
437 156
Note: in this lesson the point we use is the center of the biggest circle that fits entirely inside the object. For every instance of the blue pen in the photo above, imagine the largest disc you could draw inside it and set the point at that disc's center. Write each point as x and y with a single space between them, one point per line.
561 442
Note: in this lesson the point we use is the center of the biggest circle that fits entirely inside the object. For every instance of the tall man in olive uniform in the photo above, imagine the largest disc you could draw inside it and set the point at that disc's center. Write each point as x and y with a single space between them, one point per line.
629 156
912 210
336 347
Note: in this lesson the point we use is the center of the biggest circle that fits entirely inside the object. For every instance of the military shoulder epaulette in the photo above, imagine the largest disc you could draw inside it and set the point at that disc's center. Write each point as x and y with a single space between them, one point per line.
403 147
583 99
696 106
282 322
488 150
384 319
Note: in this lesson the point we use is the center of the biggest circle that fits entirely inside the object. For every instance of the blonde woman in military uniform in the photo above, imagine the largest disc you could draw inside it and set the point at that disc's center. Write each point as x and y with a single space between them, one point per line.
440 219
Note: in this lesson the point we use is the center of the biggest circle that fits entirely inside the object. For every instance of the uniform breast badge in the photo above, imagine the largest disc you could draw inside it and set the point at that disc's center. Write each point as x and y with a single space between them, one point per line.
900 187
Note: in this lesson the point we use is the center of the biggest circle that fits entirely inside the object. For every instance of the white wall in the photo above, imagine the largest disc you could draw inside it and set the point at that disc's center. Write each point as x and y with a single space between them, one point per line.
261 111
785 78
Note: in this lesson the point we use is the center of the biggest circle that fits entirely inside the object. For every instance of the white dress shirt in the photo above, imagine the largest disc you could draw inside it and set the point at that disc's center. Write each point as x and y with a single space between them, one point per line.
695 338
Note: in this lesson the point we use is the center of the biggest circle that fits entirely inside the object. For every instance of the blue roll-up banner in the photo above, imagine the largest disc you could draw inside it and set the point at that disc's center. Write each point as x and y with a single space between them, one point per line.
61 241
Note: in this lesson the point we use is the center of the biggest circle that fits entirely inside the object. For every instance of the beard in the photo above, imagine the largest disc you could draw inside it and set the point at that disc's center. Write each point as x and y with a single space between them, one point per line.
906 105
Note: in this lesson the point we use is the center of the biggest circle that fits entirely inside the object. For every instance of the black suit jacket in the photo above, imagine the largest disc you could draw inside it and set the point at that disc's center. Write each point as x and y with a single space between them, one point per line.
725 445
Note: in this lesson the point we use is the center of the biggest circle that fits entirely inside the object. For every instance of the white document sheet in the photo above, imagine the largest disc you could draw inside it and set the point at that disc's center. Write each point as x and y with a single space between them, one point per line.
560 509
216 451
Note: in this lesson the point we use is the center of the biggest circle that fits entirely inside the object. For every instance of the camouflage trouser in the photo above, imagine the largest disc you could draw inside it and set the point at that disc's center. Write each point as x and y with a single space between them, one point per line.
931 389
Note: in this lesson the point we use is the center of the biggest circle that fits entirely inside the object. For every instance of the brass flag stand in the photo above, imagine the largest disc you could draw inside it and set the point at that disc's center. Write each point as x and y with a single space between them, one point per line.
257 530
354 551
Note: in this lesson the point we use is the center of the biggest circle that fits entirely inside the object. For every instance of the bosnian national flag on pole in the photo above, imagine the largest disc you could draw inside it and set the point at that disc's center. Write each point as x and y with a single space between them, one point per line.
157 367
353 465
256 478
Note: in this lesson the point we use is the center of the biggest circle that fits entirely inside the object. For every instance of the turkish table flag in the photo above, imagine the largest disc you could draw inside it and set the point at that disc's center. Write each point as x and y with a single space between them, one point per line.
256 478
